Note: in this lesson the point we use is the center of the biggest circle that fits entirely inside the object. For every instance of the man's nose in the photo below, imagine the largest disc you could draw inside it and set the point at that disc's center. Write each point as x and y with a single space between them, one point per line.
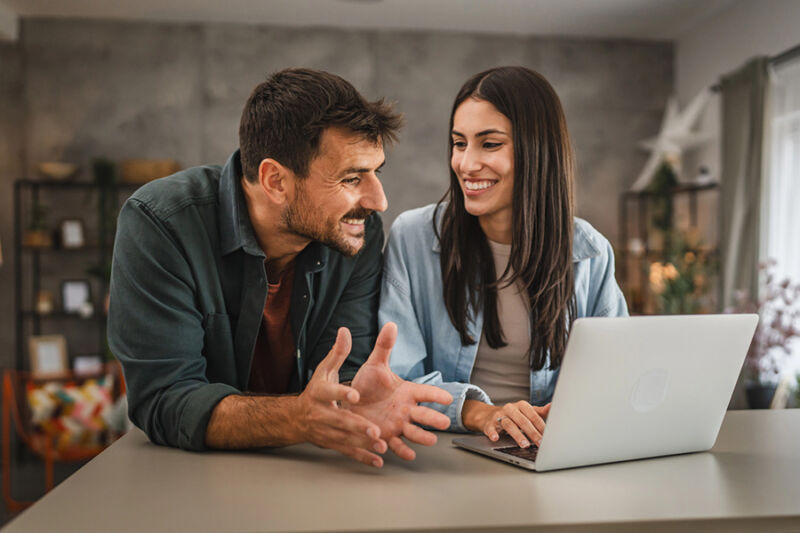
375 199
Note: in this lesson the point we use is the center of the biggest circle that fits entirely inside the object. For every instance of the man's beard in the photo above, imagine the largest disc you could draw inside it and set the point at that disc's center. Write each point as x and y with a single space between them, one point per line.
305 220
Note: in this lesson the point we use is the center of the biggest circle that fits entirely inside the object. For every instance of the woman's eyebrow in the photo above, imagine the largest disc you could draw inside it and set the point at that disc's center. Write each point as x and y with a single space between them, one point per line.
480 133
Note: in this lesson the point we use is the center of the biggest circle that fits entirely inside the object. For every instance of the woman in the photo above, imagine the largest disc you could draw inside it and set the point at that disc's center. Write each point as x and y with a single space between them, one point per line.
485 284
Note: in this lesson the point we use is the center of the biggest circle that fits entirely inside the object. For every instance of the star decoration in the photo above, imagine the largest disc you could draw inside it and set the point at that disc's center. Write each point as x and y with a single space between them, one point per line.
676 135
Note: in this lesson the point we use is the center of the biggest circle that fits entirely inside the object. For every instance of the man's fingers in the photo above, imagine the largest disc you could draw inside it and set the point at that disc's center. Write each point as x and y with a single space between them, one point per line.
418 435
384 344
401 449
339 352
359 454
429 393
429 417
355 426
334 392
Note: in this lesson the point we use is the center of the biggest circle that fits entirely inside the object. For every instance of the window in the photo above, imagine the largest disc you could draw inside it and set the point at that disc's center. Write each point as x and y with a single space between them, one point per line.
781 227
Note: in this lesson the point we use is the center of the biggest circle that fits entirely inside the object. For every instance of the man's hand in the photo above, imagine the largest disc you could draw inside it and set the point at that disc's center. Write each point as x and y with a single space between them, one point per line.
524 422
319 420
392 402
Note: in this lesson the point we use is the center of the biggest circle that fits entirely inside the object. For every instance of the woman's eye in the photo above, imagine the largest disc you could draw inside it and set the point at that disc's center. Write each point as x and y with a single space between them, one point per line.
459 144
490 145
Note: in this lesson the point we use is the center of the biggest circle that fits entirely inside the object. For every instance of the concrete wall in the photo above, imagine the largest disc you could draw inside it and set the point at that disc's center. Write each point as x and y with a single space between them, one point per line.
124 90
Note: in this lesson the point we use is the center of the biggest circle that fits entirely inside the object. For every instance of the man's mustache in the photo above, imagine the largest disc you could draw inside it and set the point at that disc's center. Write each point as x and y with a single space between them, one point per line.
359 213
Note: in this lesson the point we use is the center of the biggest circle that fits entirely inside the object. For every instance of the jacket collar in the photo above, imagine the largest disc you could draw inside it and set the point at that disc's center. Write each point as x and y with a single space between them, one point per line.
235 228
583 245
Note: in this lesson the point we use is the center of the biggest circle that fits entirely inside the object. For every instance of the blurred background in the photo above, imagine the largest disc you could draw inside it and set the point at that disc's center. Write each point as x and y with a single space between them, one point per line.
684 114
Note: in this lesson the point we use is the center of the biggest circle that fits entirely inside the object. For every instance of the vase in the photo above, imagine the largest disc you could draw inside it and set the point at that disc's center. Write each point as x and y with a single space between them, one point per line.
759 396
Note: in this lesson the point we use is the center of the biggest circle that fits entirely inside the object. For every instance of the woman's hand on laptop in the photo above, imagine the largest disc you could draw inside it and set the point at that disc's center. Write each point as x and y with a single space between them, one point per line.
524 422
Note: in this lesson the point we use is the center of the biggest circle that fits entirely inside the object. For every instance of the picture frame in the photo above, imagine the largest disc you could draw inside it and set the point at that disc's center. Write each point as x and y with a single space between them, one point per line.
87 365
48 355
71 234
75 293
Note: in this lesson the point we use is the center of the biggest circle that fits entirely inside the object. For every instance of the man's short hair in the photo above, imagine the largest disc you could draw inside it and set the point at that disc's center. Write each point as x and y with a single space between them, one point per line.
285 116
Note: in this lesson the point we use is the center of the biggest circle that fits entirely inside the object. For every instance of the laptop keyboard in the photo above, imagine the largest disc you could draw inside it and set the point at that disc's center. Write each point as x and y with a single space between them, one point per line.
522 453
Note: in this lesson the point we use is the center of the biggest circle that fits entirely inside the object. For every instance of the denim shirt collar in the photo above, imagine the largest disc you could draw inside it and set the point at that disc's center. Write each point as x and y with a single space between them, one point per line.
583 245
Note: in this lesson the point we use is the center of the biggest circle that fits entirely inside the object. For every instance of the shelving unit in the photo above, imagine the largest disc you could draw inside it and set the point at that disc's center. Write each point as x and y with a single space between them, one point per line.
30 261
633 264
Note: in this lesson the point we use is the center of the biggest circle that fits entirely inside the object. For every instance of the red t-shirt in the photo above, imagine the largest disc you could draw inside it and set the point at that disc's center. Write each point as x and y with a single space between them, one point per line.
274 358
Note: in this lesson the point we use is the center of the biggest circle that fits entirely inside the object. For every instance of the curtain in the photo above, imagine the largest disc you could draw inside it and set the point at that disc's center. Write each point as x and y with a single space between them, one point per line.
782 217
781 214
743 110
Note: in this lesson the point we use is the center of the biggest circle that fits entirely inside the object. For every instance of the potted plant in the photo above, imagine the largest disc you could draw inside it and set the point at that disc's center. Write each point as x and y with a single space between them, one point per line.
38 234
779 323
681 282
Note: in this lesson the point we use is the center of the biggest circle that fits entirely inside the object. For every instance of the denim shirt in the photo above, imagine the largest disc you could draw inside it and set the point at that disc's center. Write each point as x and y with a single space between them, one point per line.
429 349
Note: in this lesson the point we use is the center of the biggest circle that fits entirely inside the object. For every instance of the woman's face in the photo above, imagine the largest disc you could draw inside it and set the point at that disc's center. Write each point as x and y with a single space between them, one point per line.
483 161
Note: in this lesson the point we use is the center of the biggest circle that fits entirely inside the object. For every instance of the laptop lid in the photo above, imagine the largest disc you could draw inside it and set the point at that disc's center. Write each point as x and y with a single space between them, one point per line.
645 386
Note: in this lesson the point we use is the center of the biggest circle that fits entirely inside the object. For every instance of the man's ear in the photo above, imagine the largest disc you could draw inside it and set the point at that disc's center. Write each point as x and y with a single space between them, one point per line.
274 179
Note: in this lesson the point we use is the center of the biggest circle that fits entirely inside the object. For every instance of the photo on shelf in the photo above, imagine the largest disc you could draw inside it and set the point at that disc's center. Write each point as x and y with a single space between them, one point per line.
48 355
76 297
71 233
87 365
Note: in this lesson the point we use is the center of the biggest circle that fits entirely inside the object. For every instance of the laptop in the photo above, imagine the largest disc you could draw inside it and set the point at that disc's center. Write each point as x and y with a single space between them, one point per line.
635 387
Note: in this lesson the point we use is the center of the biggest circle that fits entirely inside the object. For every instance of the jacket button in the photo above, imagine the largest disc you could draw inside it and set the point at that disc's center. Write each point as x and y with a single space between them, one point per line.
319 263
305 297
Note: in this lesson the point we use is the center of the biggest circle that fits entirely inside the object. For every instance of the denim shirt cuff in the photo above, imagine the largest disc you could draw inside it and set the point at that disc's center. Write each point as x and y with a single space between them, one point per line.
460 392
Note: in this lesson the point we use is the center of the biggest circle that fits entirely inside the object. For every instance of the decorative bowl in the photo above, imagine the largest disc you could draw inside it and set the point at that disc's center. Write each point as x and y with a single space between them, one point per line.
57 170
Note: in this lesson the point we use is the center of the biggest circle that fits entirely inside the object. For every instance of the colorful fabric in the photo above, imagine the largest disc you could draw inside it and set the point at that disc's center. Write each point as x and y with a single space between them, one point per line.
74 414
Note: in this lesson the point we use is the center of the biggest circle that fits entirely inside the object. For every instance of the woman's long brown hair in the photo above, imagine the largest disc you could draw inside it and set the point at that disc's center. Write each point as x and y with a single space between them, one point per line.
542 220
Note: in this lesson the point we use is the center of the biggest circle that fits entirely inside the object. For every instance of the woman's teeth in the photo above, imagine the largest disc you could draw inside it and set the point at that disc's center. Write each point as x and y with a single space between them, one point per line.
478 185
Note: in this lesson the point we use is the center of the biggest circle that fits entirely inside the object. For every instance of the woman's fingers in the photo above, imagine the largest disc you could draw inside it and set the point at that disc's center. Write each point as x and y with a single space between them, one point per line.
522 421
490 429
533 414
526 425
514 432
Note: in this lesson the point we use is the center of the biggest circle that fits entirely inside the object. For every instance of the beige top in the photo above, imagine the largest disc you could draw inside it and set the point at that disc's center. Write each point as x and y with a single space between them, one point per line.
504 373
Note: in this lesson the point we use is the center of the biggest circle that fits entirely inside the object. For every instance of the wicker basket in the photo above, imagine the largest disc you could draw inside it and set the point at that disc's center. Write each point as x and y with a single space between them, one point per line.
144 170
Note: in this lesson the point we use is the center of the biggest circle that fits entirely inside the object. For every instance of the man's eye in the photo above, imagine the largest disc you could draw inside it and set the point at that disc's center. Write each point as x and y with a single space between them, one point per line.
352 181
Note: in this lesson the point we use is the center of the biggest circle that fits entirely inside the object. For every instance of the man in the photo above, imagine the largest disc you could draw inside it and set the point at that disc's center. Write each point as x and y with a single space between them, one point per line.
230 285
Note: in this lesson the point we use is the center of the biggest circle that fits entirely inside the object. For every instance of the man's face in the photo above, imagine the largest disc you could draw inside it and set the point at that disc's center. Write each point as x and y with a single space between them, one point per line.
342 189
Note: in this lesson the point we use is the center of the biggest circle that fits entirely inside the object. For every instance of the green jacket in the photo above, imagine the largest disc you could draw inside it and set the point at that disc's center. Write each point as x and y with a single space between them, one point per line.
188 288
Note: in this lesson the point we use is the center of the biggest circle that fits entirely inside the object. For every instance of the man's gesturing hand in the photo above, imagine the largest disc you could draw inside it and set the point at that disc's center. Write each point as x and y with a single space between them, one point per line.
392 402
320 421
